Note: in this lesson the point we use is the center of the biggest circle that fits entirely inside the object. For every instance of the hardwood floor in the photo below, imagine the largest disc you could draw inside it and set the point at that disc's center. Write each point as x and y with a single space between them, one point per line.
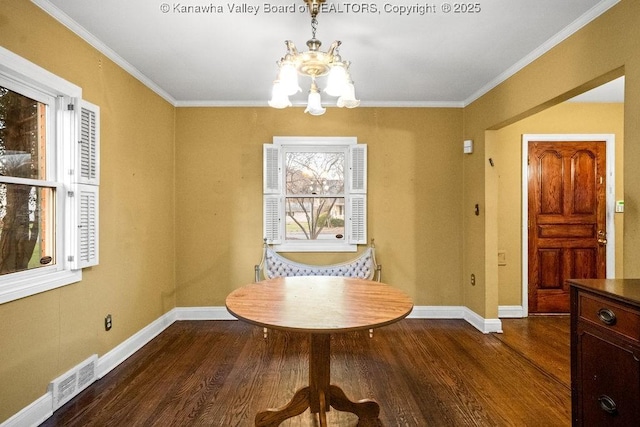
542 340
422 372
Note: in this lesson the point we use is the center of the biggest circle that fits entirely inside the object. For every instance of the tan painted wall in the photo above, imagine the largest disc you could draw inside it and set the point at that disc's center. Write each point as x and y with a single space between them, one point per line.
414 183
45 335
186 237
606 48
578 118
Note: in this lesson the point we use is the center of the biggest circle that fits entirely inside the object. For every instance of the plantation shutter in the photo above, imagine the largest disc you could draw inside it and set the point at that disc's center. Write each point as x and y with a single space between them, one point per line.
272 218
358 168
87 246
88 151
358 199
84 188
358 214
271 169
272 184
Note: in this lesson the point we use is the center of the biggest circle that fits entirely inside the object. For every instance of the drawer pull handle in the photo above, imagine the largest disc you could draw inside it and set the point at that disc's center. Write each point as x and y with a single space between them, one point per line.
608 405
607 316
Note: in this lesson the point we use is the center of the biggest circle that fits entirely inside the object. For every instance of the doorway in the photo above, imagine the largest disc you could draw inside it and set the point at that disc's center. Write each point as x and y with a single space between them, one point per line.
561 237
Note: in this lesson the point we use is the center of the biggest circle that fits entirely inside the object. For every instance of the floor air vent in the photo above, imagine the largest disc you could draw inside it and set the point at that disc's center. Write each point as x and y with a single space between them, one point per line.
66 386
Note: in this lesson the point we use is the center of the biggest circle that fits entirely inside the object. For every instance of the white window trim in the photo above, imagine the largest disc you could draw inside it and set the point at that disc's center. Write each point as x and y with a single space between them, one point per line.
351 196
28 73
31 77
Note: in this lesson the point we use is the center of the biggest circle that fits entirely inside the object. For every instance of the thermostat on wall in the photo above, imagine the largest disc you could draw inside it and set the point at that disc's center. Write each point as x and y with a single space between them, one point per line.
619 205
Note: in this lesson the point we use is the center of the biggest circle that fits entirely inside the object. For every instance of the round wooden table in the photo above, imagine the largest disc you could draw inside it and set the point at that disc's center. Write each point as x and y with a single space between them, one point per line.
319 306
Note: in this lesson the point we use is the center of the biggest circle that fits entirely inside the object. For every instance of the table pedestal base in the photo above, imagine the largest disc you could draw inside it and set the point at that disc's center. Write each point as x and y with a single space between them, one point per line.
367 410
320 396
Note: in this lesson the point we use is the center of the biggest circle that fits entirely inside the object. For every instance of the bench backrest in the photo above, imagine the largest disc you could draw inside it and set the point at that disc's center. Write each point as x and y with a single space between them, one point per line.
275 265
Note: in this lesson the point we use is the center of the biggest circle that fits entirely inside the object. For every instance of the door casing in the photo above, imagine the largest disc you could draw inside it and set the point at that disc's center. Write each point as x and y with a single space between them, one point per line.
610 201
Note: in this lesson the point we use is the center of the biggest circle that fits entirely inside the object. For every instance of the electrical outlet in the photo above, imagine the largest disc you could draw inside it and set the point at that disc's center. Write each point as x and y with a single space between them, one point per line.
108 322
473 279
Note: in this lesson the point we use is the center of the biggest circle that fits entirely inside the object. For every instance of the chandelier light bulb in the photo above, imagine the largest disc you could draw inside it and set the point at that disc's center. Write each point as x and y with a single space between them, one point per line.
314 103
348 97
289 78
337 80
279 98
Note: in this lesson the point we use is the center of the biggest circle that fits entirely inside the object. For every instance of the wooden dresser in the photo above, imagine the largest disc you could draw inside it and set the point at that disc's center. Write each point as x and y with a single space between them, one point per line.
605 352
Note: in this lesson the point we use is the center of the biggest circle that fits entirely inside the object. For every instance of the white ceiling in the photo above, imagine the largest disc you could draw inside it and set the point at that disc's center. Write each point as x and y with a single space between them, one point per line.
229 57
608 92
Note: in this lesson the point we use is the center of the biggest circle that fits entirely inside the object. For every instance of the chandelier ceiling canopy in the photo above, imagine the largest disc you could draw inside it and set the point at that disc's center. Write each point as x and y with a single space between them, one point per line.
313 63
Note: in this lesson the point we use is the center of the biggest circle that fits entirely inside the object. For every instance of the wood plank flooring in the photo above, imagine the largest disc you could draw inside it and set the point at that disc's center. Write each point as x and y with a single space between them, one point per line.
542 340
422 372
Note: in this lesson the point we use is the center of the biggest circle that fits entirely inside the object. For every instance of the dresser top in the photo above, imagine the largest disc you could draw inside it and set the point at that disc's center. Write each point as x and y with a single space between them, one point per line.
623 289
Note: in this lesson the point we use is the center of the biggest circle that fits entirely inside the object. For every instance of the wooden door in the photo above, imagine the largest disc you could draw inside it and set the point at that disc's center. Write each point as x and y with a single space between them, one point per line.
566 219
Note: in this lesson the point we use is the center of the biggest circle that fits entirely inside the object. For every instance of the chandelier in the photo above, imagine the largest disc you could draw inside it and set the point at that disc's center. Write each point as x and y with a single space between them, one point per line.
313 63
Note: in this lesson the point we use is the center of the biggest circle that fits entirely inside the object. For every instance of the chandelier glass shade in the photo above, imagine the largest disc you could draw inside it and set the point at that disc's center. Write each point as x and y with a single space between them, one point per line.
313 63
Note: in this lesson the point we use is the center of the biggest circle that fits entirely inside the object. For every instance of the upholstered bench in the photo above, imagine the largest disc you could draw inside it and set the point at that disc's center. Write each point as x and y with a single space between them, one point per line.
273 265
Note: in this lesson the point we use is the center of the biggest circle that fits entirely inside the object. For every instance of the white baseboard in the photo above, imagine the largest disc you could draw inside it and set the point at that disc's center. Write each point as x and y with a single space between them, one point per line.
418 312
511 311
37 412
32 415
203 313
457 312
123 351
437 312
485 326
41 409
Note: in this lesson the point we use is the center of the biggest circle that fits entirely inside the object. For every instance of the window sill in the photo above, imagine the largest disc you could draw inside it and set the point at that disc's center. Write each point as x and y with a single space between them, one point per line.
316 247
32 285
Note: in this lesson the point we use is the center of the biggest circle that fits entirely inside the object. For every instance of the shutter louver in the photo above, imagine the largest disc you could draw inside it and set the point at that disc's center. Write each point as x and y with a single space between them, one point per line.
358 212
86 176
87 225
272 183
88 146
358 168
88 153
271 217
272 178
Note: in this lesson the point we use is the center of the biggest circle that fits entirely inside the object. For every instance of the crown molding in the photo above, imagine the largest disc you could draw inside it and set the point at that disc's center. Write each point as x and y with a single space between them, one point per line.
81 32
570 29
369 104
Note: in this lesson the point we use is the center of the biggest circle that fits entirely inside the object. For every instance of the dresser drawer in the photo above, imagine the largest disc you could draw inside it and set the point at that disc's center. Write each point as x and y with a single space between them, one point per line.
619 319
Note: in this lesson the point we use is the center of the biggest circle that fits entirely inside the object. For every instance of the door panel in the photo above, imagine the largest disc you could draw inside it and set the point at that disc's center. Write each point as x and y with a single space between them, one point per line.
583 184
550 268
567 211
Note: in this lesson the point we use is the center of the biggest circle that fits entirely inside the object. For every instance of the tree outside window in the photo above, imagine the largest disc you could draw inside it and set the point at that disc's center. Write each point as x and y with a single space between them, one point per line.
25 227
314 195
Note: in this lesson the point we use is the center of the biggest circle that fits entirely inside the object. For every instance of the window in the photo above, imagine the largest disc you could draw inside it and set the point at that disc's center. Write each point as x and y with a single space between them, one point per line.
49 176
315 194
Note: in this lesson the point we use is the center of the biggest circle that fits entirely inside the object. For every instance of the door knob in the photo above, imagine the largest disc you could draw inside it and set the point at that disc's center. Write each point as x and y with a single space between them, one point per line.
602 241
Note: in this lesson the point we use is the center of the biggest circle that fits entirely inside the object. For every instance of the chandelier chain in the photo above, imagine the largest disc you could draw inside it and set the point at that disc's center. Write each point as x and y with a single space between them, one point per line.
314 27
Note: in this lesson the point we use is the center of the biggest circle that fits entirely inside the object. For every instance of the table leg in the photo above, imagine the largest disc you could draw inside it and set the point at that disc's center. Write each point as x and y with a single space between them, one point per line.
367 410
296 406
319 371
320 395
